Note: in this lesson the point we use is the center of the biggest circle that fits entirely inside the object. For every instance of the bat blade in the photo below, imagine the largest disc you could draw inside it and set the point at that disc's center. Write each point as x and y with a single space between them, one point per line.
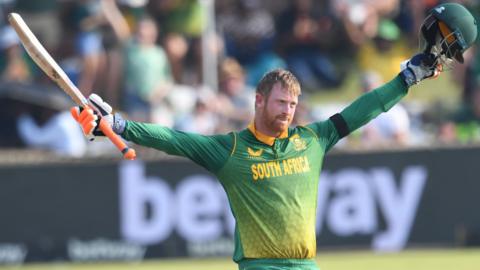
43 59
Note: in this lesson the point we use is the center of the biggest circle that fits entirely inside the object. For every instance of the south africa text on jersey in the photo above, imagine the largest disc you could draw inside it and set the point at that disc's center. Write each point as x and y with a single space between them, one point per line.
265 170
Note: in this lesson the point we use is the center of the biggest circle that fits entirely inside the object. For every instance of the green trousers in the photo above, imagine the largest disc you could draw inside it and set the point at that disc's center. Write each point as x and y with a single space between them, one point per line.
277 264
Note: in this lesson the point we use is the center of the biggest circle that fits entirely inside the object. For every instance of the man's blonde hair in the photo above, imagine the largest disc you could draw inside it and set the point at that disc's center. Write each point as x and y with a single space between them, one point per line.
285 77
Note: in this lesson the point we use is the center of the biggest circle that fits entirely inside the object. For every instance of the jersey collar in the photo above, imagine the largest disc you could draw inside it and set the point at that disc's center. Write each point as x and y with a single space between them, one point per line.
265 138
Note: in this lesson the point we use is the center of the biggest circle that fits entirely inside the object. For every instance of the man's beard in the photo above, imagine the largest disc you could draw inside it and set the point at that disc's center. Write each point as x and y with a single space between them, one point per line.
273 121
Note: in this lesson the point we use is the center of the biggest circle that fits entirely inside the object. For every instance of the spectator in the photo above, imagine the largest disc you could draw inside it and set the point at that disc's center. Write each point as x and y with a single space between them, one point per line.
147 73
84 20
120 20
361 17
235 96
302 34
13 66
183 22
410 17
202 119
149 87
385 52
249 34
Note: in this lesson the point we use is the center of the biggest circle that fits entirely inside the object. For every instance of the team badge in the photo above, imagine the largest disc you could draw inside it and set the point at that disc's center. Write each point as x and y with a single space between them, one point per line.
298 143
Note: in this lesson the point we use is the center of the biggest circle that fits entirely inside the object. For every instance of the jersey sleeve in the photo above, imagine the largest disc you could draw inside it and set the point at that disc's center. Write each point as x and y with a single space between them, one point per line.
210 152
371 104
359 112
326 133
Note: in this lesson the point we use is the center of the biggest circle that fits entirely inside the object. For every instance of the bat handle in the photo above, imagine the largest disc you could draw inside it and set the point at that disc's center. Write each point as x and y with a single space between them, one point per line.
128 153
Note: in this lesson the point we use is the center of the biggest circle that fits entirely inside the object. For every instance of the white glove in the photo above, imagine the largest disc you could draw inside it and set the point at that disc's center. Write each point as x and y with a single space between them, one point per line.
89 121
419 67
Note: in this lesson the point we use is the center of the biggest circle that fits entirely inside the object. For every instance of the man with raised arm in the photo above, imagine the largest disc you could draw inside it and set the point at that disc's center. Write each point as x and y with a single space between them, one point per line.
270 171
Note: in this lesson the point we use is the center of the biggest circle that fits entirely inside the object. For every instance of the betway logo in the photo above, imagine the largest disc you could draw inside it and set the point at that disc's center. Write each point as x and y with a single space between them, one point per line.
197 209
150 209
352 207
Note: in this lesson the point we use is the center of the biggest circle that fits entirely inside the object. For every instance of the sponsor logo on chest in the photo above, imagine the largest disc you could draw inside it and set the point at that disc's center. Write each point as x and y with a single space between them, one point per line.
254 154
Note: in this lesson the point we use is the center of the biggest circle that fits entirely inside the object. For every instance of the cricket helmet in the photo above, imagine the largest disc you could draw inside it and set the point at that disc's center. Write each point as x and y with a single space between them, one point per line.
448 30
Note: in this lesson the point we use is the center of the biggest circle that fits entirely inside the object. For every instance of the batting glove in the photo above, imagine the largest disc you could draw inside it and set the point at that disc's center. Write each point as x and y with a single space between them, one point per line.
418 68
89 120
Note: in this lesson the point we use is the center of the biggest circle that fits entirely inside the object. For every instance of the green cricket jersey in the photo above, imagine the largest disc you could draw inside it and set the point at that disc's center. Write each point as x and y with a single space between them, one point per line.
271 183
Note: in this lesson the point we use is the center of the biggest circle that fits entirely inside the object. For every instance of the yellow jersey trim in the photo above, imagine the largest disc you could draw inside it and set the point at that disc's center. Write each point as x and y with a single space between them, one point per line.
269 140
234 143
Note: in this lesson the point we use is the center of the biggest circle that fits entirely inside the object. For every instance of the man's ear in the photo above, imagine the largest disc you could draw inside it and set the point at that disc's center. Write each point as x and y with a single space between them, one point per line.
259 100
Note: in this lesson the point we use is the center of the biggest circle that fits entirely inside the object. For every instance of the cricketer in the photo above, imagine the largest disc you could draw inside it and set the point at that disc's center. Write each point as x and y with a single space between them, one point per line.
269 170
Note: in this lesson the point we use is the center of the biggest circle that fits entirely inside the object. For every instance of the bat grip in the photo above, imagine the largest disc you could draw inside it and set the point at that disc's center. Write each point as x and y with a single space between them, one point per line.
128 153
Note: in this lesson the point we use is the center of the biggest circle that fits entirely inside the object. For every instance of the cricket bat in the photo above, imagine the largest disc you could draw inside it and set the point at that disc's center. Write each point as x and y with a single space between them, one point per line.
43 59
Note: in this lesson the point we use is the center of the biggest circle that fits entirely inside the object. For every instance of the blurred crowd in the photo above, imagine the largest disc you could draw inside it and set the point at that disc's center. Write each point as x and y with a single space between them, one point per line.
193 65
